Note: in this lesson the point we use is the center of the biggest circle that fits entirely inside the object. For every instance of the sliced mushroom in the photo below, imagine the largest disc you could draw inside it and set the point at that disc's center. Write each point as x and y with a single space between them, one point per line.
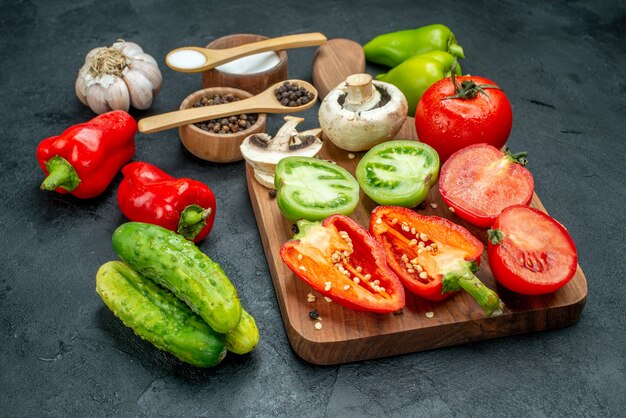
263 152
360 113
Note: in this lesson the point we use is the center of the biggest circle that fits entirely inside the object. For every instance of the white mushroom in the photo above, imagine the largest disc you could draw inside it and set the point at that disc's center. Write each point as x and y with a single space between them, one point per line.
263 152
360 113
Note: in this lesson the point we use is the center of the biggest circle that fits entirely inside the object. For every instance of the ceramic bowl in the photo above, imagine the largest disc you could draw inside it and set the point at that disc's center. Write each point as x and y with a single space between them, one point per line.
219 148
253 83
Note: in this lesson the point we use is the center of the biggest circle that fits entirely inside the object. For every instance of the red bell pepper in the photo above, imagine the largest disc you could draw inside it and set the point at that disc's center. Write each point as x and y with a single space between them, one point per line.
84 158
148 194
432 256
342 261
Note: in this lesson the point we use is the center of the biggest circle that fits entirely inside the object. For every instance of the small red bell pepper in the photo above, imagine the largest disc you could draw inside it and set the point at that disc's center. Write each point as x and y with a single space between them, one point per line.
342 261
432 256
148 194
84 158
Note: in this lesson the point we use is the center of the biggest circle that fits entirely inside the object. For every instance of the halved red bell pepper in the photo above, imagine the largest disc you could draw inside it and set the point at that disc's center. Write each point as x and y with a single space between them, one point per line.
432 256
84 158
148 194
342 261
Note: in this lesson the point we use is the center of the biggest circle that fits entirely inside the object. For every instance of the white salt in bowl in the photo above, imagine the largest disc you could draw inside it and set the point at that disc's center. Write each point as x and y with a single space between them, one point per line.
241 73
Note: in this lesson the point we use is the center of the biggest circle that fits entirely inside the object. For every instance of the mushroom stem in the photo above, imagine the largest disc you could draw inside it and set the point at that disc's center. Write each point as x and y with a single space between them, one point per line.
361 93
284 134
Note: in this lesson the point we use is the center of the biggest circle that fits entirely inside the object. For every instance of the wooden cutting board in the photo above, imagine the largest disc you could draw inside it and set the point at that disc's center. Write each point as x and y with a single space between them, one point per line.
348 335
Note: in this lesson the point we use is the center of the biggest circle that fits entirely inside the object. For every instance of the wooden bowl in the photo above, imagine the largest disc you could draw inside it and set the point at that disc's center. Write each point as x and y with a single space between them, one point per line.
217 148
254 83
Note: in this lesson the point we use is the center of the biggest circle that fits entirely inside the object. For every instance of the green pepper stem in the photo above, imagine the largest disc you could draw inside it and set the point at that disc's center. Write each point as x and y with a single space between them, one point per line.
192 220
60 174
486 298
456 50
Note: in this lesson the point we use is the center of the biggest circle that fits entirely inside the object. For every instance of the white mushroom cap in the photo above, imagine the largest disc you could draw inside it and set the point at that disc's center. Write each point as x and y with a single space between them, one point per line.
360 113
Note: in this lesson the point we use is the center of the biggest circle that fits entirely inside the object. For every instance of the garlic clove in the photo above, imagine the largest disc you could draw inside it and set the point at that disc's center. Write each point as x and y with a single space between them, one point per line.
139 88
130 49
81 87
117 95
146 58
81 84
96 98
150 71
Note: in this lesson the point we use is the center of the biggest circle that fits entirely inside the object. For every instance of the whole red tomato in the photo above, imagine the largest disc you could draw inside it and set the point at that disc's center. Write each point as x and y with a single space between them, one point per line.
460 111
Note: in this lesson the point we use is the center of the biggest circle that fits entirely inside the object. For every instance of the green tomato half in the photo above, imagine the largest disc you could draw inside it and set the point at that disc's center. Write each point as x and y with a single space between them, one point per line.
398 173
313 189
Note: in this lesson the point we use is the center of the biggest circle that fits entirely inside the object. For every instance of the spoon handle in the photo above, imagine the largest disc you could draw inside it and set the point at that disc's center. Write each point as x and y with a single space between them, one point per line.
282 42
182 117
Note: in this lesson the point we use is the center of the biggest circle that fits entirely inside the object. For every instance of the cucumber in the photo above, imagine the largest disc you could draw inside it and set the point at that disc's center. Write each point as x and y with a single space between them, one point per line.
244 337
157 316
178 265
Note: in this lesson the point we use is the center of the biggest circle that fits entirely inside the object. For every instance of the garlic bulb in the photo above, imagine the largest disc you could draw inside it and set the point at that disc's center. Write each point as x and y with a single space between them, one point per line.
118 77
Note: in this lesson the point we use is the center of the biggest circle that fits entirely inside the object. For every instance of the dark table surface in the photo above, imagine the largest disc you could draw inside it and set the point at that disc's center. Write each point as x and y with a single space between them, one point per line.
64 353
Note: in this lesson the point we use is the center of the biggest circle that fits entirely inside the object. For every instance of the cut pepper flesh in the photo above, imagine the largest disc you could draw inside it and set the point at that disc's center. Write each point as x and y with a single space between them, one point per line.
343 262
432 256
414 246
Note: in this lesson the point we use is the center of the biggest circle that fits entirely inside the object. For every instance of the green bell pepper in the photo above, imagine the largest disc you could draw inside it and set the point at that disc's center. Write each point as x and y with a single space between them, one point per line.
391 49
415 75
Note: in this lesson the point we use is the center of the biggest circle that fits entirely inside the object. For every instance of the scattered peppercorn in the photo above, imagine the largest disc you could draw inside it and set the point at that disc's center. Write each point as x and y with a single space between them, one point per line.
289 94
294 228
398 312
272 194
314 314
231 124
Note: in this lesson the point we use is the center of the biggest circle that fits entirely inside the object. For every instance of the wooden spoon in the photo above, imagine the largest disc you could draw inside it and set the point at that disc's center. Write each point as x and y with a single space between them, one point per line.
334 62
198 59
264 102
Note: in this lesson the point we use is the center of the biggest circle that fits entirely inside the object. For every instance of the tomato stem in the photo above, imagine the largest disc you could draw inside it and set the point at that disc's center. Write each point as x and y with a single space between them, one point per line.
495 236
518 158
468 89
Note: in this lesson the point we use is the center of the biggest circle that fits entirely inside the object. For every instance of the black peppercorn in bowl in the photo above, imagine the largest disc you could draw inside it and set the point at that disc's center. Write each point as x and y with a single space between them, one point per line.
219 140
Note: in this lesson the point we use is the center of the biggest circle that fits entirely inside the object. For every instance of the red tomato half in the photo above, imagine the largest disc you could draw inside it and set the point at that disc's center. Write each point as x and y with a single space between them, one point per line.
535 254
448 125
480 181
